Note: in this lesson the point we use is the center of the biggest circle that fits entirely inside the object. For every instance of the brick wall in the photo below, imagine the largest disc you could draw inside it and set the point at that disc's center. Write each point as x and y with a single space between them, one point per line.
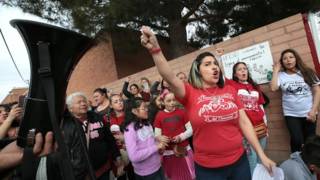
286 33
130 56
96 67
119 57
14 94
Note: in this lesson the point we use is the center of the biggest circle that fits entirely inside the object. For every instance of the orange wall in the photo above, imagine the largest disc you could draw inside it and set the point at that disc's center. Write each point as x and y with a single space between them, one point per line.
96 67
286 33
130 56
120 56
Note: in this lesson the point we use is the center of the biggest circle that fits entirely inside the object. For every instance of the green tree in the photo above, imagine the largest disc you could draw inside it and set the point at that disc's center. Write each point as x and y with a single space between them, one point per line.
211 19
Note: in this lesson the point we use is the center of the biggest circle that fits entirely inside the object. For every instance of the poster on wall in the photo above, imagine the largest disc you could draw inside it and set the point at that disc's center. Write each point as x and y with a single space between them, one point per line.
258 59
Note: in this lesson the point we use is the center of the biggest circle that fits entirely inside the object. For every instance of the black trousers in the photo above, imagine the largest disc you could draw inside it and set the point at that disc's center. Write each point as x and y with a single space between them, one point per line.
299 129
158 175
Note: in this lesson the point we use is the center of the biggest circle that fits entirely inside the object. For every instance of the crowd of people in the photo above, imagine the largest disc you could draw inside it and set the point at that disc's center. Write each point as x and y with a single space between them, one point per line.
182 127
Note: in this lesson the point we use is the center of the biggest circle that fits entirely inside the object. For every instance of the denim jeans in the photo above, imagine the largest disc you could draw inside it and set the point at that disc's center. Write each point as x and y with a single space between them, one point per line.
237 171
299 129
251 153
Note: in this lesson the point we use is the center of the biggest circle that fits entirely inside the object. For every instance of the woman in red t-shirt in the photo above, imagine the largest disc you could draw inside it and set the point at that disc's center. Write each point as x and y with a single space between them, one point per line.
216 115
252 99
117 111
116 120
172 122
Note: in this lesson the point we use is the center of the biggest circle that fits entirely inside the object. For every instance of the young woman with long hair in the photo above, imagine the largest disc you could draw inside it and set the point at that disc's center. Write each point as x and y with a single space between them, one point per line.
300 96
116 119
101 101
251 97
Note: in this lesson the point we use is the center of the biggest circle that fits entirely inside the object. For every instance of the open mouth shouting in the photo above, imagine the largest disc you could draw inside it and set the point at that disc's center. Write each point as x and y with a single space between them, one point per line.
215 74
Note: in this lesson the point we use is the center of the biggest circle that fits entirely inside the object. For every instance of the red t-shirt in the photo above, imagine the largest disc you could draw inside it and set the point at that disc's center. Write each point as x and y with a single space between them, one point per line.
251 99
116 120
171 124
214 116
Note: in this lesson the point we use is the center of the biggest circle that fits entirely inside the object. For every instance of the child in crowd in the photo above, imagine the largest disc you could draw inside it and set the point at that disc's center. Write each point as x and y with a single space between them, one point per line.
156 89
154 107
135 91
116 117
117 111
178 156
164 85
145 85
142 147
182 76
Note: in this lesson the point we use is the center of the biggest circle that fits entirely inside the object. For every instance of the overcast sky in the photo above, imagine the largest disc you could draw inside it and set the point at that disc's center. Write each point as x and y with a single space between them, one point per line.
9 77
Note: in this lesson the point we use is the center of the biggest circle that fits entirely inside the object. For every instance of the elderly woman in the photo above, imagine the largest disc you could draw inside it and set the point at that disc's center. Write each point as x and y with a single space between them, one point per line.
217 116
86 126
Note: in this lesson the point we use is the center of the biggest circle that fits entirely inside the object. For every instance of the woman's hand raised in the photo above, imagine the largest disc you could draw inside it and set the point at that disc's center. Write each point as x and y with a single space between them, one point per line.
276 66
148 39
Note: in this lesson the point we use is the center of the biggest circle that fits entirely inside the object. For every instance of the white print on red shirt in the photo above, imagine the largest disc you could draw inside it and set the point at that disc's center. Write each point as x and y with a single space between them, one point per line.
213 104
249 99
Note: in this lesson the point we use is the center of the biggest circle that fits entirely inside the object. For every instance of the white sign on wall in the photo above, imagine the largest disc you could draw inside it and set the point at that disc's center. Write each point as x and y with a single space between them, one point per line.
258 59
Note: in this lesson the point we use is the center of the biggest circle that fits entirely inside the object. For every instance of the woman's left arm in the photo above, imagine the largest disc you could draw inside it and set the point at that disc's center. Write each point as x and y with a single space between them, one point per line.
250 135
315 105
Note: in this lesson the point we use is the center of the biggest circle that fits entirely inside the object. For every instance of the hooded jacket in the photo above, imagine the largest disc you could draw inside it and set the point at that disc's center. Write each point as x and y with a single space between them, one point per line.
295 168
